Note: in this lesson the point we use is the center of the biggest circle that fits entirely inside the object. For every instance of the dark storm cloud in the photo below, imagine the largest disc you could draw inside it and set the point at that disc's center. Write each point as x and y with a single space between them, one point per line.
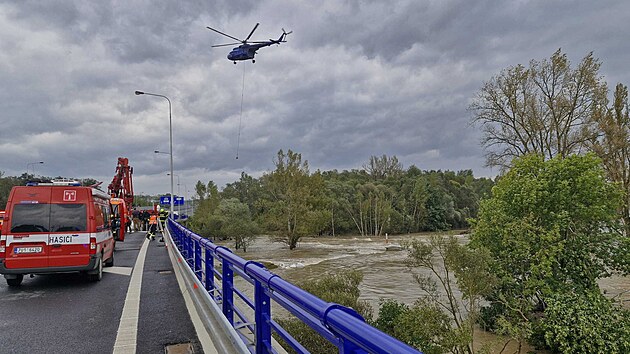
356 78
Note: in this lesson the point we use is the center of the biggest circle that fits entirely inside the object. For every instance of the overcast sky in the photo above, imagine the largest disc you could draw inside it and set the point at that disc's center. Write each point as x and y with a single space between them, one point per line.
355 79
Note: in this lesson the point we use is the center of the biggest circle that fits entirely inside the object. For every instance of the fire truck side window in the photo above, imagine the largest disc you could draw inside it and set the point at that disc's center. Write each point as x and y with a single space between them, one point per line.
30 218
68 217
105 210
99 219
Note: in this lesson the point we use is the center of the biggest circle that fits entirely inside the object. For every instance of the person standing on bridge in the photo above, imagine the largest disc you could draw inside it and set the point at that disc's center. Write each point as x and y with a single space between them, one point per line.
163 217
144 217
153 220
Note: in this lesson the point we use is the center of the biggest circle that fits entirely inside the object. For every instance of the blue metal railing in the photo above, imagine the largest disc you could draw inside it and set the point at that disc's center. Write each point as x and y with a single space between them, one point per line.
342 326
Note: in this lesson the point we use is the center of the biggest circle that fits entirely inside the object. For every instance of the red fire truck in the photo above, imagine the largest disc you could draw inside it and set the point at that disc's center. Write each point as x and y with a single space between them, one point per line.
60 227
56 227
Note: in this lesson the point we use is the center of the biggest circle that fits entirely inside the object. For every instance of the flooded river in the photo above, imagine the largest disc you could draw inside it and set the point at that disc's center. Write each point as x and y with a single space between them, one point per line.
384 273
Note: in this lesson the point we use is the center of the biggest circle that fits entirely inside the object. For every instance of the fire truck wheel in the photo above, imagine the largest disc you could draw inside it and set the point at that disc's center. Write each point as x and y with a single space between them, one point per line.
110 261
16 281
99 271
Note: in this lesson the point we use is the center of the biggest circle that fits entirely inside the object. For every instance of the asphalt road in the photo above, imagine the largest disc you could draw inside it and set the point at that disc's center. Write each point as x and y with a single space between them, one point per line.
65 313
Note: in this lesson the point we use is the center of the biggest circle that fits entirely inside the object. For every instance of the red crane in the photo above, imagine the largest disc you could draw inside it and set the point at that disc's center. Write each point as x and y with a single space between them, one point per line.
121 191
122 184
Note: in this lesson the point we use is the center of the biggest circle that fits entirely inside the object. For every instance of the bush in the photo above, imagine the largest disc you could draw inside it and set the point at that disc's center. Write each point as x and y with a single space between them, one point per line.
586 323
341 288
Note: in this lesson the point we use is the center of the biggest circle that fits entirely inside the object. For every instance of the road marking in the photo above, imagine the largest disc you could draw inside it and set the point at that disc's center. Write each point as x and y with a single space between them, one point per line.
119 270
127 336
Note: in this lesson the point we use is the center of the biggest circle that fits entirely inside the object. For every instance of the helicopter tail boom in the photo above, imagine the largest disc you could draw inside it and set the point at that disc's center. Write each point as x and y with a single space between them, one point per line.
282 38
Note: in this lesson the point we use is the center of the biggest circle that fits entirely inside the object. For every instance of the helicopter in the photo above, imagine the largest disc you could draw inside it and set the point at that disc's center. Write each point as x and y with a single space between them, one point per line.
247 51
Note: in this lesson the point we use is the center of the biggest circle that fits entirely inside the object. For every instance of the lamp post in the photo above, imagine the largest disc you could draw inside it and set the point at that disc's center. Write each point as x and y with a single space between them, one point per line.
32 164
170 130
178 206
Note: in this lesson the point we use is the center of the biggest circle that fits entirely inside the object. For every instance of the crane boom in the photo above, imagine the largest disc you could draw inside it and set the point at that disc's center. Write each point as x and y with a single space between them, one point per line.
122 183
121 192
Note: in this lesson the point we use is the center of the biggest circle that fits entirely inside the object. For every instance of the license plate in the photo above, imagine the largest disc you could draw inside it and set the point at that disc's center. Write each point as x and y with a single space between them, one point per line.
21 250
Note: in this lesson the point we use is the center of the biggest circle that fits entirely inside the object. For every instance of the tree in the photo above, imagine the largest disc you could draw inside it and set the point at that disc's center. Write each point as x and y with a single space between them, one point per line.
550 229
596 324
234 220
442 266
247 189
341 288
545 109
383 167
203 222
612 146
293 206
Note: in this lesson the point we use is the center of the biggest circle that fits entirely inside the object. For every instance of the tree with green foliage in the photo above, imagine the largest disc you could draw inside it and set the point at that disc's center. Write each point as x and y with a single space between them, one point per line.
247 189
586 323
424 325
442 266
550 228
294 204
233 220
612 145
202 222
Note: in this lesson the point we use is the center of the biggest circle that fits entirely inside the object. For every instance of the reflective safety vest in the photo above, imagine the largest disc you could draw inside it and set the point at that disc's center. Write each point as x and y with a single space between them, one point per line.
153 219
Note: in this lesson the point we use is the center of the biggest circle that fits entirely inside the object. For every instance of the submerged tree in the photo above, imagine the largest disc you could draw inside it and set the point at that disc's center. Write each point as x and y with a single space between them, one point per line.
294 205
233 220
441 267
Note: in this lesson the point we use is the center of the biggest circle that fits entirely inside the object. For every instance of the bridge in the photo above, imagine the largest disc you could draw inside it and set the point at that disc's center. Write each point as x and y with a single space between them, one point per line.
185 295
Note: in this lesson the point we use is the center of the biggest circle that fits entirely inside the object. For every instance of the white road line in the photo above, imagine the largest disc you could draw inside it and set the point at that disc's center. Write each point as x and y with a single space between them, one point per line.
119 270
128 328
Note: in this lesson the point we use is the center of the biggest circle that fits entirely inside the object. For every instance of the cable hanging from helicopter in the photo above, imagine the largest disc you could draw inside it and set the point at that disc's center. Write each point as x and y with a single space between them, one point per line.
246 51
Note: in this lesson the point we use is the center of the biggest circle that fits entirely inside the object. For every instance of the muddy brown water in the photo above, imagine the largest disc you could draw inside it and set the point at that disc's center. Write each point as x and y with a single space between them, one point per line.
385 275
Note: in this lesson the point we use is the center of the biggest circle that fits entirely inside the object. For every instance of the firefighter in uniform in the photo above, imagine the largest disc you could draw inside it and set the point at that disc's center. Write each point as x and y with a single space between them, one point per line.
153 220
163 217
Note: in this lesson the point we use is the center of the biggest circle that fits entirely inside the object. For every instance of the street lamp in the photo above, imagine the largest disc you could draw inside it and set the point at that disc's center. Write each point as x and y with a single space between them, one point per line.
33 164
170 130
178 206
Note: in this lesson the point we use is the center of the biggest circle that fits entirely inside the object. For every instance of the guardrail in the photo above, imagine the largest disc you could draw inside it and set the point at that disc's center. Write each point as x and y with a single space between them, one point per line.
342 326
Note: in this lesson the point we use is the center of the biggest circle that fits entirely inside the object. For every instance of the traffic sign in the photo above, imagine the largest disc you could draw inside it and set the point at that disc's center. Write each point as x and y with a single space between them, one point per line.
178 201
165 200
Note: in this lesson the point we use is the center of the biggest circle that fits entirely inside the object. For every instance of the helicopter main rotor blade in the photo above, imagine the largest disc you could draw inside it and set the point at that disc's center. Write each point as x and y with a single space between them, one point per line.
250 33
224 45
227 35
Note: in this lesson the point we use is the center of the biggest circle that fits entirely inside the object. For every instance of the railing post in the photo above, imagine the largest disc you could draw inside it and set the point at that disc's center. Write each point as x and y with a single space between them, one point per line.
228 291
191 253
198 259
262 316
184 246
209 282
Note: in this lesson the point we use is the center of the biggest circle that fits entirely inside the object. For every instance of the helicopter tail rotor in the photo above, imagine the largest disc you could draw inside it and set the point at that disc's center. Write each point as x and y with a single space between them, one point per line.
283 36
